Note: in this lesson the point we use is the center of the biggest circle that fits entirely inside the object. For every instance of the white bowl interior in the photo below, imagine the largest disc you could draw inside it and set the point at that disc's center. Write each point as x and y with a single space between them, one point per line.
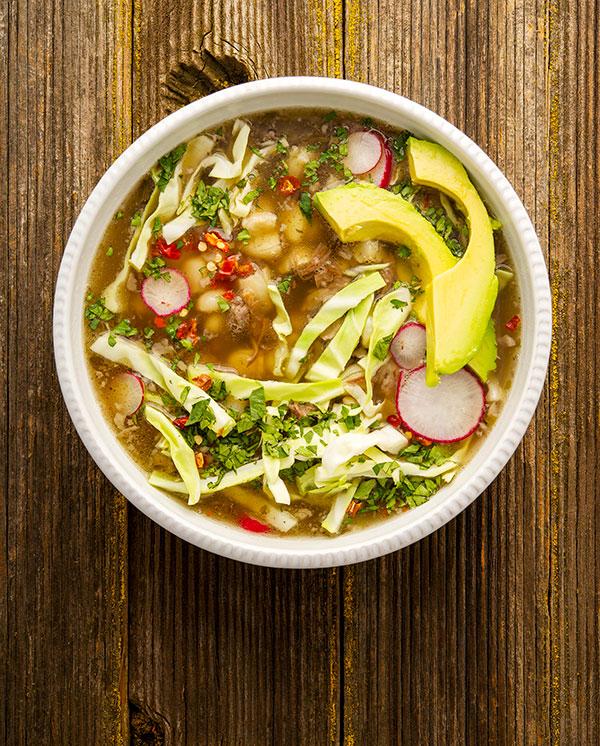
173 514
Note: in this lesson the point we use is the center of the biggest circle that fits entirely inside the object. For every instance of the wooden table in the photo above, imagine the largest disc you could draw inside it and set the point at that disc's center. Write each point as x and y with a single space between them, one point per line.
112 630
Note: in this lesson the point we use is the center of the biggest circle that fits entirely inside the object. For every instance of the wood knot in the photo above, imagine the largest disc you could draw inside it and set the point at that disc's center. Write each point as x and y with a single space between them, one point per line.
145 727
188 81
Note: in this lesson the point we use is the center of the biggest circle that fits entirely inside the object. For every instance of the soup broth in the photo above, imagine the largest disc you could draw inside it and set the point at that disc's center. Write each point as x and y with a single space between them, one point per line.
246 351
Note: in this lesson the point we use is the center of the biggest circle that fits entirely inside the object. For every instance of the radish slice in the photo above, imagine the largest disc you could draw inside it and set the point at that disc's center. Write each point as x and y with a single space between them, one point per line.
382 172
409 345
364 151
166 296
127 390
445 413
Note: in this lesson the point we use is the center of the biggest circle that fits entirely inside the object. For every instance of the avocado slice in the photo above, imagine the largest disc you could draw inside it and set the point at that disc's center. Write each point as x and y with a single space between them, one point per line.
360 212
460 301
458 307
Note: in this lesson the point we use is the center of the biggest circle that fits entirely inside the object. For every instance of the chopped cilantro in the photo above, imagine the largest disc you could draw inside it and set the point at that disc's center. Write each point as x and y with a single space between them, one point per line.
110 251
257 152
118 214
284 284
167 166
256 404
397 303
218 390
330 116
223 304
243 235
380 350
399 144
201 414
207 202
155 268
305 204
281 148
403 252
97 312
156 225
136 219
251 196
122 329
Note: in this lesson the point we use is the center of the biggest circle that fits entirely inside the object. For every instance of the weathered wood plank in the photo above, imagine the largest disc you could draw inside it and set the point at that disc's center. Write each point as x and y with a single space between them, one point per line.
574 233
66 553
460 622
4 424
221 652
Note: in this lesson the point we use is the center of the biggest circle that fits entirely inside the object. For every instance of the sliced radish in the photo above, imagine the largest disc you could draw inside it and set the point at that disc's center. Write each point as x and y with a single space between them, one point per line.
409 345
381 174
364 151
127 390
166 295
445 413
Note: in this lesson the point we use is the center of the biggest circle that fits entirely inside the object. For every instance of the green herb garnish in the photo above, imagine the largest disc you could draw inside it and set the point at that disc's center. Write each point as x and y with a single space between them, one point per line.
284 284
305 204
207 202
380 350
251 196
97 312
122 329
167 166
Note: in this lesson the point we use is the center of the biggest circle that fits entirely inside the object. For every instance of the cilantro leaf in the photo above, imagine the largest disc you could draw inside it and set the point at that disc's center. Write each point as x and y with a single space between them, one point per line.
380 350
207 202
167 166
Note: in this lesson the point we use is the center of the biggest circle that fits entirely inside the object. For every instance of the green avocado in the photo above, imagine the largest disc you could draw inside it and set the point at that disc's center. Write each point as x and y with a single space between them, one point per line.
460 301
360 212
456 309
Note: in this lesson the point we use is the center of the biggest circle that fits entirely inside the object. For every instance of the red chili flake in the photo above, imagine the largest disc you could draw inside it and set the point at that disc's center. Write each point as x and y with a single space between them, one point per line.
182 330
188 330
513 323
203 381
229 295
159 322
353 508
423 441
168 250
212 238
244 270
394 420
181 422
426 201
251 524
288 184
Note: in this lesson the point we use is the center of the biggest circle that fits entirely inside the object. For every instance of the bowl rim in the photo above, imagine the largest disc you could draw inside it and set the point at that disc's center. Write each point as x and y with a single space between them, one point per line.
229 541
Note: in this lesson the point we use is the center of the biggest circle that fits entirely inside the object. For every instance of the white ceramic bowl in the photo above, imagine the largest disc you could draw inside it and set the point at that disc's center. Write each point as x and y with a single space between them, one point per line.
228 540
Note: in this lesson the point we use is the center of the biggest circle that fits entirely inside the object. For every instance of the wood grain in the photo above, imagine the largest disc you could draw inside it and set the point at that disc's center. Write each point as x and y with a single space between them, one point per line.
113 630
66 552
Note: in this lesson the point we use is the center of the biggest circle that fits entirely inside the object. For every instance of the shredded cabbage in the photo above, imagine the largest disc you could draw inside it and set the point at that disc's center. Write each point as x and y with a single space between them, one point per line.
389 314
151 366
335 356
182 455
168 202
246 473
333 309
344 448
319 393
333 521
279 519
282 326
222 166
113 294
